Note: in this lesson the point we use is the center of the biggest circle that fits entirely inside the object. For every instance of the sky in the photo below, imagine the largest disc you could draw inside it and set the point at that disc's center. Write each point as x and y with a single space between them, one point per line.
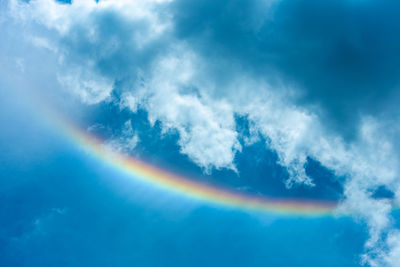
199 133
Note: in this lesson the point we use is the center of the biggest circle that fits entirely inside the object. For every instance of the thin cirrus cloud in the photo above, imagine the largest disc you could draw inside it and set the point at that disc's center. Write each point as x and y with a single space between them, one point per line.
315 79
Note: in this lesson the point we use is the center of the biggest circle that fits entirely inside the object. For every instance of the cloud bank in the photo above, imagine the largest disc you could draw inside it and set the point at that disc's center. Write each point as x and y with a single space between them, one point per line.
315 79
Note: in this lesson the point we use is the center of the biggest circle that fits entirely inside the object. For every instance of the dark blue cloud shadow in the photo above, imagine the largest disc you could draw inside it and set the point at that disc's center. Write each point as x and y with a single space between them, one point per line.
342 54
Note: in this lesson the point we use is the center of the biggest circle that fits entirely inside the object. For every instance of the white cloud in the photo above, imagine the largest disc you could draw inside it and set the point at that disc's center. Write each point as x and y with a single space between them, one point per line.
43 43
61 17
90 87
206 126
128 100
125 142
65 25
386 255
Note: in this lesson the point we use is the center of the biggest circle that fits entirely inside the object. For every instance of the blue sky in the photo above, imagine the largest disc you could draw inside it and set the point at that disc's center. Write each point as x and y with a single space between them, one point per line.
285 99
64 207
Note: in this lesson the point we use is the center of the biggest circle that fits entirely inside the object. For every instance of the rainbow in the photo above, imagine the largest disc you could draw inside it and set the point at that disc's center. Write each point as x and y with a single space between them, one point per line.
190 188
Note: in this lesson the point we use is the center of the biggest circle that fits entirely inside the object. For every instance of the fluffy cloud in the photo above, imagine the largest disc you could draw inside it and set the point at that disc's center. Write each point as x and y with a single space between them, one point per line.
305 80
206 126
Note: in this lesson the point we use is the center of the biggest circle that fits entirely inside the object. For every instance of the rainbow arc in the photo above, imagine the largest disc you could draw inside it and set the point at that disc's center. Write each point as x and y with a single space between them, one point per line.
158 177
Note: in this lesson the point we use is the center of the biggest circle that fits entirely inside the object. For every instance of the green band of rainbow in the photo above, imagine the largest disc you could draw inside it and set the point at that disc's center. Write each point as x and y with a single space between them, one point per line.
145 172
